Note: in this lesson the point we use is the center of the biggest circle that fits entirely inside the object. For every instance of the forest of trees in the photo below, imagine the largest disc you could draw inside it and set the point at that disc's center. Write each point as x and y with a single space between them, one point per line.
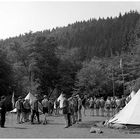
83 57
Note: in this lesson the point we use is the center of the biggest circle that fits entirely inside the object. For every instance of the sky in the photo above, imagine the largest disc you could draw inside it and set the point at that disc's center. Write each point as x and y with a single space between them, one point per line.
19 17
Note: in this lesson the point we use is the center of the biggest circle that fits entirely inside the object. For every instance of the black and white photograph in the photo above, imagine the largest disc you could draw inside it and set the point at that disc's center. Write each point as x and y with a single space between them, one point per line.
69 69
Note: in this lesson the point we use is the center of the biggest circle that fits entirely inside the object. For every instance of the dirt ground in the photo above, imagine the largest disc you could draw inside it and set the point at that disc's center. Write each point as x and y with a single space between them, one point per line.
55 129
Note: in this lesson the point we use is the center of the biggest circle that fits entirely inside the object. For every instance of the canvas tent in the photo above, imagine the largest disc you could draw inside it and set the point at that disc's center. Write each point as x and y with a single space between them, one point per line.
130 114
14 110
30 97
60 99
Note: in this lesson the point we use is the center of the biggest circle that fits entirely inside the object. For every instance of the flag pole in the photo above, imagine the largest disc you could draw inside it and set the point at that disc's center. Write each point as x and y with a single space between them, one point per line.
121 66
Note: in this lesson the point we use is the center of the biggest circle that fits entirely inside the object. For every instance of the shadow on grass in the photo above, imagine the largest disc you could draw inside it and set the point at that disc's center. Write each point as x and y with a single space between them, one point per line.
86 124
17 127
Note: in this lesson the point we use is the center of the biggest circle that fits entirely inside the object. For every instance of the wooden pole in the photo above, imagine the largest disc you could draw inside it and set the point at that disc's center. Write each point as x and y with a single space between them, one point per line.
113 82
123 80
121 66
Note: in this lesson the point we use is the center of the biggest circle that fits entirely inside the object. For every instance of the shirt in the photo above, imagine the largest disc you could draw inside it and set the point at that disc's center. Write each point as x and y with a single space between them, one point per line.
34 105
45 103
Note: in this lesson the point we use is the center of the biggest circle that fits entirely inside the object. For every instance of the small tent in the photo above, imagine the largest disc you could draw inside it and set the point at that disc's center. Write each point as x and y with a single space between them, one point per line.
14 110
60 99
30 97
130 114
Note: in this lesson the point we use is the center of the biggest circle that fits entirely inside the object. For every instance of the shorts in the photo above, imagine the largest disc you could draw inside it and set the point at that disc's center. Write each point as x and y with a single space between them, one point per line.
45 110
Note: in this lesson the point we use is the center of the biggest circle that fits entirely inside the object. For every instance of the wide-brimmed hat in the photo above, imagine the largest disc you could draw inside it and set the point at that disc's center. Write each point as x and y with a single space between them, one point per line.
45 96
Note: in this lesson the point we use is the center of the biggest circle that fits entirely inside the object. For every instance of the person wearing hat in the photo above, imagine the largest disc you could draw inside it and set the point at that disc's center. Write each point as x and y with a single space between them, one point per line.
45 108
18 106
2 111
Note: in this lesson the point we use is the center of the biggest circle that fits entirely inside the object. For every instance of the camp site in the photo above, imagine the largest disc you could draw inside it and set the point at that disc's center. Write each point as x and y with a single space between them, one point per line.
69 69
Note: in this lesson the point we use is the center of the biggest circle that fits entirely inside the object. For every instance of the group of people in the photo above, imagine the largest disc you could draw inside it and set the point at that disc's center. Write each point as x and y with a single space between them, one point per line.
27 107
108 107
71 108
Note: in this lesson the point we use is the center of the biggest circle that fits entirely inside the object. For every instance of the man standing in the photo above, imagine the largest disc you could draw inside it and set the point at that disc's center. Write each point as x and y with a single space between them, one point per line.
102 104
107 106
34 110
113 105
75 102
18 106
84 101
2 111
27 109
66 111
79 108
97 106
118 104
91 106
45 108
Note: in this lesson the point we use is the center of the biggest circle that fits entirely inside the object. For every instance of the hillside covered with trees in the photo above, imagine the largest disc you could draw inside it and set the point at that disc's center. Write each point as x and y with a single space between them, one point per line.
98 57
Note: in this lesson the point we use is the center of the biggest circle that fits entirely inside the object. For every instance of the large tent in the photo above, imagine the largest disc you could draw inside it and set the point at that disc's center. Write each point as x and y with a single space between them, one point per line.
130 114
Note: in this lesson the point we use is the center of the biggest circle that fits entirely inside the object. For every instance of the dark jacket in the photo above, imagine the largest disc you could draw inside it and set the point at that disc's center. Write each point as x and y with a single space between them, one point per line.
2 106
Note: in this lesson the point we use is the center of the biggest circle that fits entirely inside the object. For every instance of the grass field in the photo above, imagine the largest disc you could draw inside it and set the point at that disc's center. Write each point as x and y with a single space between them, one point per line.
55 129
